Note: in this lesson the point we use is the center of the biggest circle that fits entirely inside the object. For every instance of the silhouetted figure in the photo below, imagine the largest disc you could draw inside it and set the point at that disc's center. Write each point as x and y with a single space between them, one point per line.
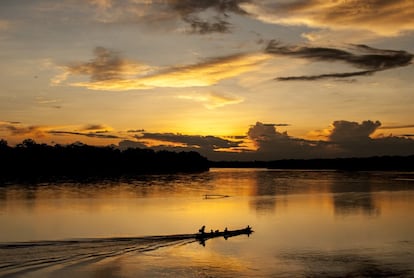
225 230
201 230
249 230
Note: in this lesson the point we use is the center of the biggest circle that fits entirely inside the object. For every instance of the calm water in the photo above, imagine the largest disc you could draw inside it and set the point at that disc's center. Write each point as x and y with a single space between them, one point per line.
306 223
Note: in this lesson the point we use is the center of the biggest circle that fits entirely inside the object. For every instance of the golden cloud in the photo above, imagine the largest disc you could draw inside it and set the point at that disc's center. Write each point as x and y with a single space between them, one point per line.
385 18
112 76
17 129
206 73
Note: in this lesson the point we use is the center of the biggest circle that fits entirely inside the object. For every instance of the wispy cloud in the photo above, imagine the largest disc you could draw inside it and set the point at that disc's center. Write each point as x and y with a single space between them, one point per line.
86 134
18 129
385 18
135 130
396 126
107 71
53 103
364 57
90 130
213 100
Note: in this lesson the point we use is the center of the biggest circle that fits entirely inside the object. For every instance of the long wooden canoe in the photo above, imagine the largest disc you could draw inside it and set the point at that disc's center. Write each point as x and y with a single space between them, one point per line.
203 236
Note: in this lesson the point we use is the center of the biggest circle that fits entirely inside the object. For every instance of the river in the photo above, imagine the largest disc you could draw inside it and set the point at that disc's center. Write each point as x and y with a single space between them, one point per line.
305 223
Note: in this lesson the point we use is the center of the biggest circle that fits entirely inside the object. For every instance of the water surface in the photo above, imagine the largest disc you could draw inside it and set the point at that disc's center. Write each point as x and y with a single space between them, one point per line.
306 223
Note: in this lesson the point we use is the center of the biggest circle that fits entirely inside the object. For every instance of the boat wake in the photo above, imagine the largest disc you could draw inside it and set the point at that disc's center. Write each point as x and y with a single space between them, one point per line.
21 258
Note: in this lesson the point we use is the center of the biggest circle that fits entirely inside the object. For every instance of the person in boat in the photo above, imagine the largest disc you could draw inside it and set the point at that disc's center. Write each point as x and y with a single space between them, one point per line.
225 230
201 230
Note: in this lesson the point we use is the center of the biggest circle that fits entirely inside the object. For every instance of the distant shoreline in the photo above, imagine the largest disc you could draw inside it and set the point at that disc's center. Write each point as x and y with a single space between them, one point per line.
30 161
375 163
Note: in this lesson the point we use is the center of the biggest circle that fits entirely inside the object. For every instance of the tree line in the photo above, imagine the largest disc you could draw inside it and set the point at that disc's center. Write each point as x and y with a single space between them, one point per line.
375 163
29 160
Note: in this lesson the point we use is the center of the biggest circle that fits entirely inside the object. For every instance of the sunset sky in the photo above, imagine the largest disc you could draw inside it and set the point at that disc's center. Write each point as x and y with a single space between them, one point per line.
232 79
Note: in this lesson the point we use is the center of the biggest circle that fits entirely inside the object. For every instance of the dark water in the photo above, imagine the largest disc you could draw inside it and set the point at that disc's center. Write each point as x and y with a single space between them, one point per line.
306 223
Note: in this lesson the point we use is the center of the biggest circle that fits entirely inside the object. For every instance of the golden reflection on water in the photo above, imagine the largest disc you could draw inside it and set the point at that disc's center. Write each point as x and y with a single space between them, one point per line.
172 204
296 215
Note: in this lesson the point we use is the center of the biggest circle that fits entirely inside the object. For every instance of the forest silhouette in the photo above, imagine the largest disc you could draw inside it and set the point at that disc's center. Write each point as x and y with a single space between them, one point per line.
30 160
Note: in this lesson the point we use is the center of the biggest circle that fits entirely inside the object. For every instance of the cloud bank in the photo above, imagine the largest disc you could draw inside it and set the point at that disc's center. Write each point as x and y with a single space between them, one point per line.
342 139
345 139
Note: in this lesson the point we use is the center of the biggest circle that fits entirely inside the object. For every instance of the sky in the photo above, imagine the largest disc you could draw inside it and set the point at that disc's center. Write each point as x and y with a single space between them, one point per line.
231 79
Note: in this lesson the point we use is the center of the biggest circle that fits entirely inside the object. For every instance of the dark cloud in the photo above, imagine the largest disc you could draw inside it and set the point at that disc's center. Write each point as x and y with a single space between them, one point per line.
136 130
364 57
107 65
202 16
187 7
236 137
190 10
204 27
354 139
396 126
345 131
128 144
90 134
328 75
94 127
272 144
203 142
